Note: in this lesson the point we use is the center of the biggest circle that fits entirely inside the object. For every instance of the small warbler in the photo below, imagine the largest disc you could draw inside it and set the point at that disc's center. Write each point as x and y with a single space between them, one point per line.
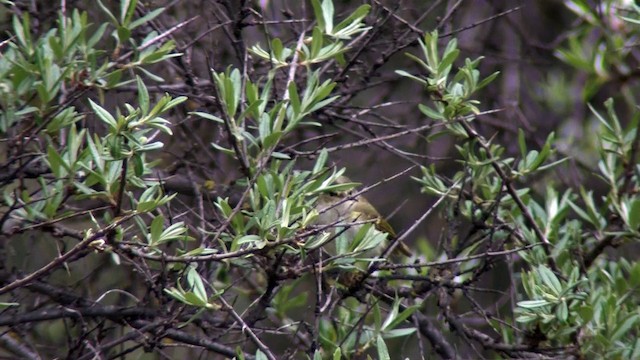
343 207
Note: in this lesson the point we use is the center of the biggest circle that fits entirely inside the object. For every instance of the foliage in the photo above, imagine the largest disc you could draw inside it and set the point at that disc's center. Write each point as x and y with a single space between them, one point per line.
241 264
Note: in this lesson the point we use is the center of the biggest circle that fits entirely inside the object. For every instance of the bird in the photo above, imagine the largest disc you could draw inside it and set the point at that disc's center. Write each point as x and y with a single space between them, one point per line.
344 207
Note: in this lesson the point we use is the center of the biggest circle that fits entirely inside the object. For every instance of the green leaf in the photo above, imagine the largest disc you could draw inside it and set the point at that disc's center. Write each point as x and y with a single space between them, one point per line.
532 304
413 77
193 299
586 313
127 9
318 14
625 327
396 333
57 163
316 43
550 279
383 351
402 317
97 35
196 283
636 350
138 165
321 161
486 81
321 104
294 98
223 149
175 231
249 239
522 144
447 61
260 355
8 304
104 115
207 116
634 275
356 16
327 15
279 155
272 139
151 75
155 230
22 30
145 206
123 33
430 112
337 355
634 215
145 19
143 95
544 153
174 102
562 312
278 50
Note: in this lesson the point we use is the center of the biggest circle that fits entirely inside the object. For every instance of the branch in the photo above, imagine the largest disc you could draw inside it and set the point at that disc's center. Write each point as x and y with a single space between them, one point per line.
435 337
439 343
122 185
246 329
458 260
58 261
508 183
233 141
157 38
16 348
597 250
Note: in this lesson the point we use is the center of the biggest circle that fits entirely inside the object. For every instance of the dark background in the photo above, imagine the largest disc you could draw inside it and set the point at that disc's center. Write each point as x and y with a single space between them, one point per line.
535 92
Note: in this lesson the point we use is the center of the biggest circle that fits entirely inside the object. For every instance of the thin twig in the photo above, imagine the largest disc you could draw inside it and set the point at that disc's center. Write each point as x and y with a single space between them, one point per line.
122 185
229 129
385 137
508 183
58 261
459 260
477 23
157 38
246 329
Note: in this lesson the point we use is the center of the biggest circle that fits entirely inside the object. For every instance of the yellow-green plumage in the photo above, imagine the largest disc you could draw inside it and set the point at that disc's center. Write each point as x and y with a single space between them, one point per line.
337 208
